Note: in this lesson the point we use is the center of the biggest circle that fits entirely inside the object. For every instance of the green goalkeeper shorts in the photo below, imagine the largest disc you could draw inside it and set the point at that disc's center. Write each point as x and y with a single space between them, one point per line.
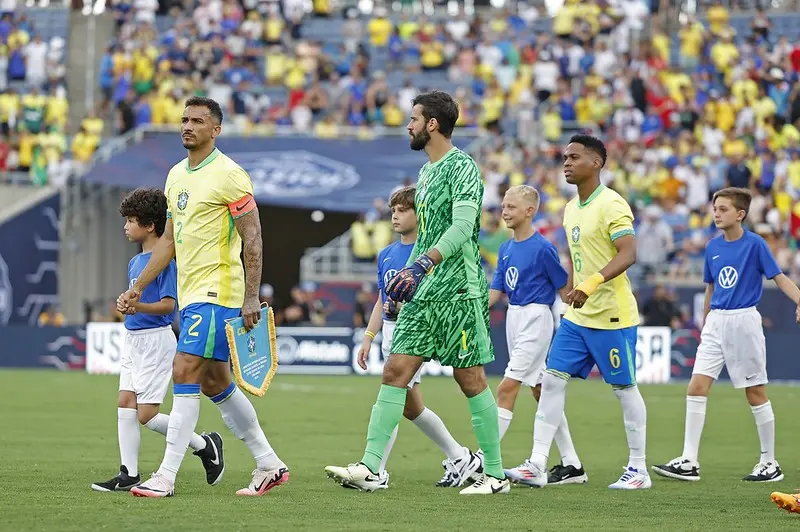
456 333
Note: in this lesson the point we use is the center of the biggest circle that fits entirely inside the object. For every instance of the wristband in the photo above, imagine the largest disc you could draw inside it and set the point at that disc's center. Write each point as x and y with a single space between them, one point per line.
589 285
370 334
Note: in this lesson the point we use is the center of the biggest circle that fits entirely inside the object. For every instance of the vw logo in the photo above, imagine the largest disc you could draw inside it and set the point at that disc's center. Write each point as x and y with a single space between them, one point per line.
512 276
727 277
388 276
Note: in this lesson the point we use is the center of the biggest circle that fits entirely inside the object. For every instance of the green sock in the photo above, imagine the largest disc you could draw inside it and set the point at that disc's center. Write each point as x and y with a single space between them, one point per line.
386 414
484 423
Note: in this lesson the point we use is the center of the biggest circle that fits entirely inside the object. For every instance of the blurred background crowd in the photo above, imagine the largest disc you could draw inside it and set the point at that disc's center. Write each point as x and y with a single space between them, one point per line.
687 103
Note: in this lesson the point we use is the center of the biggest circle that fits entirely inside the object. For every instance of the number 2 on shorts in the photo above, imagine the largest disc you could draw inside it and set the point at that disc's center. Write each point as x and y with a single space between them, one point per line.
198 319
613 357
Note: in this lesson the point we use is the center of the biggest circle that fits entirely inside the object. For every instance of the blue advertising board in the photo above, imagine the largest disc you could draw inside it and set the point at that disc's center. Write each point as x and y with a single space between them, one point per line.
343 175
29 245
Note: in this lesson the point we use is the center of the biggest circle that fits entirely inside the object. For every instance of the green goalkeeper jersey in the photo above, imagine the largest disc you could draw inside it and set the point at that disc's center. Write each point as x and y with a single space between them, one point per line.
452 181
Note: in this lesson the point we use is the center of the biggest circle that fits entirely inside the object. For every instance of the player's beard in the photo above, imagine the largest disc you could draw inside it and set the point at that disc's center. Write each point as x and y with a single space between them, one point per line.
420 140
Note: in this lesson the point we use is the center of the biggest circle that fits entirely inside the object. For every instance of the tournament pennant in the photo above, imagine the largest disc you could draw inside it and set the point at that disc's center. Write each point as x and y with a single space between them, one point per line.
254 353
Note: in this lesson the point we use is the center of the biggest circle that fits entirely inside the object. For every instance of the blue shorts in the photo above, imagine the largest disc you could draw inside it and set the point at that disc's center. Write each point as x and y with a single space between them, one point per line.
575 350
203 330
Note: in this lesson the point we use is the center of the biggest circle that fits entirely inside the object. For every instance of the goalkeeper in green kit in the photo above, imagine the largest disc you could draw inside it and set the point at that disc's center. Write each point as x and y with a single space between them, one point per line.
445 315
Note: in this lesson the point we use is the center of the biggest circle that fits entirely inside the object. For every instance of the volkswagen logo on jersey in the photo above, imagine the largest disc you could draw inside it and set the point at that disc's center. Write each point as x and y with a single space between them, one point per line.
727 277
6 294
576 233
512 276
296 173
388 276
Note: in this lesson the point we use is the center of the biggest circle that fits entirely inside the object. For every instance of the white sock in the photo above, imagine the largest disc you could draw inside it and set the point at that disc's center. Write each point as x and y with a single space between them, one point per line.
182 421
695 419
433 427
387 451
765 423
160 422
240 416
548 417
129 438
569 456
504 417
634 414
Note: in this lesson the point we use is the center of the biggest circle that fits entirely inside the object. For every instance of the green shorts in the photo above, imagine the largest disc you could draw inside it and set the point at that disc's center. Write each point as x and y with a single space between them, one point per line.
456 333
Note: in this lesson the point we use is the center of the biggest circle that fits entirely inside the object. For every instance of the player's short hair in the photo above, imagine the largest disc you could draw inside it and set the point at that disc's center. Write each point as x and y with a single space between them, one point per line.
213 107
527 193
442 107
591 143
148 206
740 197
403 197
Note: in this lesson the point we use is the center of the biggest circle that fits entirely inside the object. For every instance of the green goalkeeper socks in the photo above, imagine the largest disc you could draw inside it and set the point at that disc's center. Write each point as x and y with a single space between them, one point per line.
386 414
484 423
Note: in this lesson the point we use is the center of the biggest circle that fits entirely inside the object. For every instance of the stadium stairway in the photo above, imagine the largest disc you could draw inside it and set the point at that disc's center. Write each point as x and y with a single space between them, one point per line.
82 67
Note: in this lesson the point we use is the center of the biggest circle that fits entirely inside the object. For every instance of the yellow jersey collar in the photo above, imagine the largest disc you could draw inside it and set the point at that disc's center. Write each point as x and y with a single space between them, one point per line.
596 193
206 161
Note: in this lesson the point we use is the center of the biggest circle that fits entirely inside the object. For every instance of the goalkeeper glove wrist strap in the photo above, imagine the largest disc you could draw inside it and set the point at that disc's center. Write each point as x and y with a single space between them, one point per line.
426 263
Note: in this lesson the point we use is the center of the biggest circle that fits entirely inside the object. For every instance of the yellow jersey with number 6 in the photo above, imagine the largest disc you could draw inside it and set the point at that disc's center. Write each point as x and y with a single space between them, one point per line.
592 227
202 204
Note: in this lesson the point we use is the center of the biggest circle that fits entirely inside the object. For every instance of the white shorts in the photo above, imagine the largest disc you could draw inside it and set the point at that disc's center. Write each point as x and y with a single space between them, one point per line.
529 331
734 339
386 346
147 357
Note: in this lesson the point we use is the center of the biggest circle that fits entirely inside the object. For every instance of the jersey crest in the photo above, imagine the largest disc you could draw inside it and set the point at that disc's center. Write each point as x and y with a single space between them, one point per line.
576 233
183 199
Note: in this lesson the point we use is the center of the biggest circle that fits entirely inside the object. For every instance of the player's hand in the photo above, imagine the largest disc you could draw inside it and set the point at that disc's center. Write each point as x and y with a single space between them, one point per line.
127 300
576 298
404 284
391 309
578 295
363 352
251 312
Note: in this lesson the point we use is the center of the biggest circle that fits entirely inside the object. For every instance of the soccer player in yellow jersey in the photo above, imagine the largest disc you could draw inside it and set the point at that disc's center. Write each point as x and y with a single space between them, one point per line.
600 326
211 216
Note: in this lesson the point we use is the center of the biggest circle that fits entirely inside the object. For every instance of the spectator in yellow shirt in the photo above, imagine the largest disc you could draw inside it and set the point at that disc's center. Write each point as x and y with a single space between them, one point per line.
691 38
393 116
84 145
57 109
724 53
431 55
379 29
93 124
717 16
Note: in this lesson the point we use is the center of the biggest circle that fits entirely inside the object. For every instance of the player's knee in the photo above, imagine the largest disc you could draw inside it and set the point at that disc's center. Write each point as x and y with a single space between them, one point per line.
507 392
146 413
210 386
537 392
186 369
471 380
553 382
756 395
699 386
126 399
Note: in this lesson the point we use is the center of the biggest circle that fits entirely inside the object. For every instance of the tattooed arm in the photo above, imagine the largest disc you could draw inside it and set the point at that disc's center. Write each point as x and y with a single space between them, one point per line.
249 228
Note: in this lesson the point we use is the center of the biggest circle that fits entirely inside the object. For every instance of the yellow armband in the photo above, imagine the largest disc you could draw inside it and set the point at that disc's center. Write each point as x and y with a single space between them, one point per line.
589 286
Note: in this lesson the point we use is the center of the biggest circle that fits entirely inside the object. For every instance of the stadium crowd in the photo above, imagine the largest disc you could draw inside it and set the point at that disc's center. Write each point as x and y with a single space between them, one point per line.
685 111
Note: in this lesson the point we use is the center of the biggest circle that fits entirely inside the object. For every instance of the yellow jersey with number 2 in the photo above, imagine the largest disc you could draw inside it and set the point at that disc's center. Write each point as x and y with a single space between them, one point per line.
591 229
202 203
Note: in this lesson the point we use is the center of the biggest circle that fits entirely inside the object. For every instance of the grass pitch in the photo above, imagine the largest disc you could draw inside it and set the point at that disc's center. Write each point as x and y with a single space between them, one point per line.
58 435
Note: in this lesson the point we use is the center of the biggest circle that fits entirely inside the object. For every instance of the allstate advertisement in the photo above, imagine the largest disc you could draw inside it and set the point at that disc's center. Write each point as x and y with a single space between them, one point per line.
334 351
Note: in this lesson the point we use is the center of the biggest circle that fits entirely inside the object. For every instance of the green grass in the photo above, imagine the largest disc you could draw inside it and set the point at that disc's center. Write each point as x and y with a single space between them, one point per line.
58 435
